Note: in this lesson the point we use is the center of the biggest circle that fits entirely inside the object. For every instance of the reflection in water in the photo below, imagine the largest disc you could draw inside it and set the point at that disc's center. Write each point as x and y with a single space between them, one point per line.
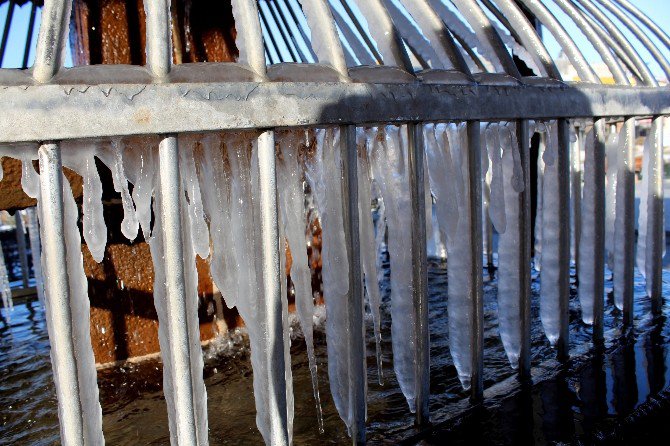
585 402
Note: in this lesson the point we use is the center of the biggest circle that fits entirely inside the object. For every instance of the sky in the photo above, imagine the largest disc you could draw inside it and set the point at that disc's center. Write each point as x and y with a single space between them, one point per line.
658 10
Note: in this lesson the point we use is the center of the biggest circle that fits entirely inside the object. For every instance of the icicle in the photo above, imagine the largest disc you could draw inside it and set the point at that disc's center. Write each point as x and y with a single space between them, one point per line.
509 246
587 240
368 249
549 297
293 217
189 178
652 175
620 218
112 156
139 165
36 251
388 160
5 289
539 211
447 167
215 184
325 181
497 209
611 150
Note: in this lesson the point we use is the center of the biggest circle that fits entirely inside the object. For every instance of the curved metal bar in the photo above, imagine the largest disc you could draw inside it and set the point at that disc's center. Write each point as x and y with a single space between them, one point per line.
618 50
159 43
325 38
385 34
435 31
605 53
364 35
529 37
648 22
249 39
618 36
487 34
572 51
359 49
54 29
641 36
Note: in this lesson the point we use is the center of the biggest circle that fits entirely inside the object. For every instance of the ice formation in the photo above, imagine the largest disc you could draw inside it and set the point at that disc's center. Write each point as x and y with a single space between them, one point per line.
5 289
36 250
587 242
549 275
388 159
447 156
501 139
611 151
620 215
293 225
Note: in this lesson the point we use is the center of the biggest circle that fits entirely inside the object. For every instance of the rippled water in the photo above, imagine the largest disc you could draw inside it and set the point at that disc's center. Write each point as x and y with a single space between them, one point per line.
582 402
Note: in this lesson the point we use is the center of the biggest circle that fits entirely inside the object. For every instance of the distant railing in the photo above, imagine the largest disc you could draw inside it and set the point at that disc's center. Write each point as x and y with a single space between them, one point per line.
52 114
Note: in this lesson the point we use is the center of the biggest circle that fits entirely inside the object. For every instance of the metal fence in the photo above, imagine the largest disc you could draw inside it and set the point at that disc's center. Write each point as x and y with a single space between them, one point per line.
381 73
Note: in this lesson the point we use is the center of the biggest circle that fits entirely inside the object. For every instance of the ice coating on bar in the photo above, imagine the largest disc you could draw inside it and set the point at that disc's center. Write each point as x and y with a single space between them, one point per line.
36 250
620 217
293 226
509 245
447 155
549 275
389 163
324 174
587 242
611 151
367 241
5 289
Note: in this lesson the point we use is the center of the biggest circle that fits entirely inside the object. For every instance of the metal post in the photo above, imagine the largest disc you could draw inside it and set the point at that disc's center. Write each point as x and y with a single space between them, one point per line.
624 261
524 237
656 225
356 329
475 211
170 199
54 29
419 272
21 242
576 193
58 292
272 278
593 282
563 171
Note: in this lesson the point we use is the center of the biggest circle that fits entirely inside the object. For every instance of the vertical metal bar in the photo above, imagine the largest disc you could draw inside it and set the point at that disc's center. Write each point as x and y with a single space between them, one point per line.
61 333
656 223
159 42
563 170
475 211
357 369
272 278
29 36
576 193
592 266
5 31
524 237
54 29
419 272
21 242
170 190
625 258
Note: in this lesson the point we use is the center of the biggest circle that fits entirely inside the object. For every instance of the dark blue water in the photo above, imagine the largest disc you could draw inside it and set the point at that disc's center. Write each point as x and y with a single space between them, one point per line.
592 399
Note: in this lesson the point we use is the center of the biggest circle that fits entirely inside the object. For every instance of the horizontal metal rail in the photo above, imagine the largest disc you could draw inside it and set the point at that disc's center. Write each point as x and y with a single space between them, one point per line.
56 112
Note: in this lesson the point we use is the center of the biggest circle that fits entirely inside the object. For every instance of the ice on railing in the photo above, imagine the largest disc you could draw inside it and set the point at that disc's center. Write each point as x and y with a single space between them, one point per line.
501 139
541 129
550 273
367 241
611 152
652 175
447 156
621 216
587 242
35 250
324 174
79 303
389 161
293 221
5 289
